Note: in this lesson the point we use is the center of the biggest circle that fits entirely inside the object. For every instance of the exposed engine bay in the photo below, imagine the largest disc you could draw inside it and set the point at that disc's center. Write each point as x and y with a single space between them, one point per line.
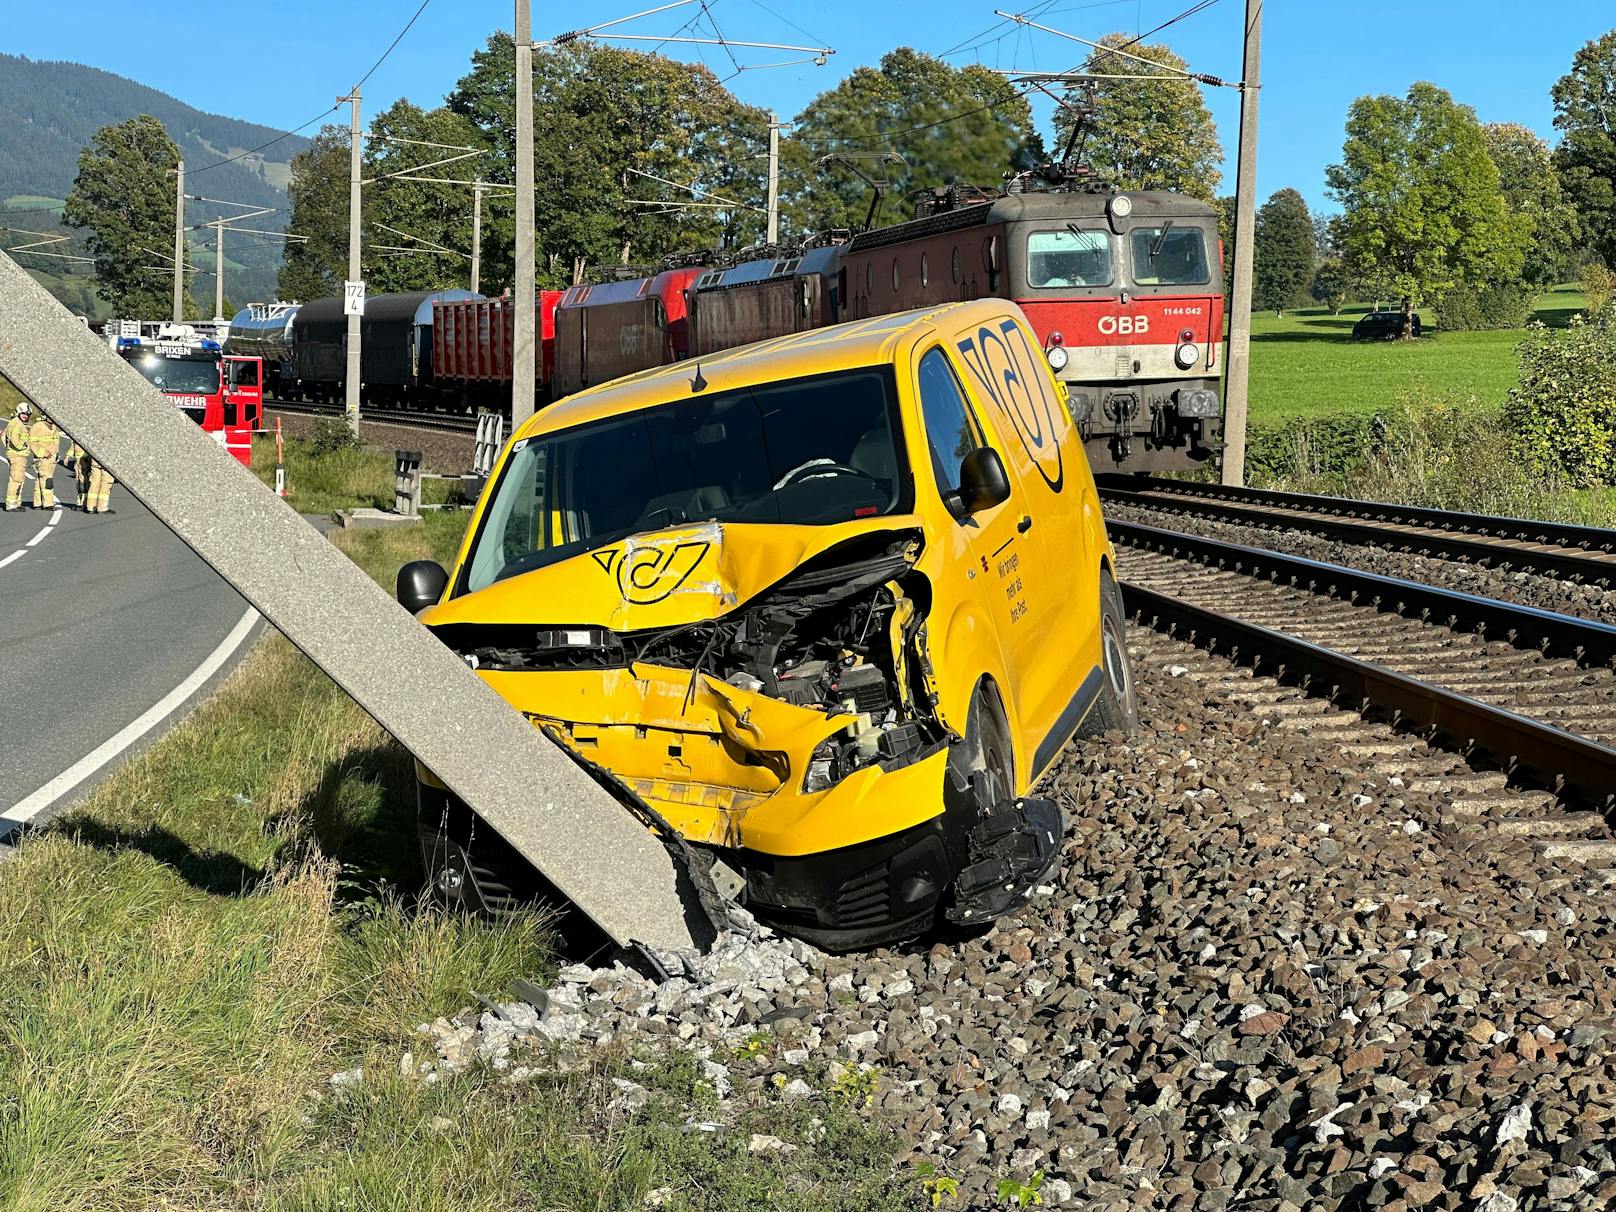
844 635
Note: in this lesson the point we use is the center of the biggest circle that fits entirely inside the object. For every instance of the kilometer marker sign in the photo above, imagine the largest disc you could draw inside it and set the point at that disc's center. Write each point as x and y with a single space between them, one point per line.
353 298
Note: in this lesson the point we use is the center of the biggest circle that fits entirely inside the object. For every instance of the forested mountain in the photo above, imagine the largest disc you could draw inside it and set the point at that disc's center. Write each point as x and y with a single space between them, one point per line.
49 110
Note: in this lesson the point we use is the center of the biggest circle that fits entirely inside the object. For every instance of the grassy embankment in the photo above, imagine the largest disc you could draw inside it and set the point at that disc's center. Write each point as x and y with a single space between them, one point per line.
323 481
226 921
1415 421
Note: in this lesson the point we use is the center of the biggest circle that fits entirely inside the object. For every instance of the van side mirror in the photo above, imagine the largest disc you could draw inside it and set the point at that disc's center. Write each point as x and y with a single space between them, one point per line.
982 481
421 584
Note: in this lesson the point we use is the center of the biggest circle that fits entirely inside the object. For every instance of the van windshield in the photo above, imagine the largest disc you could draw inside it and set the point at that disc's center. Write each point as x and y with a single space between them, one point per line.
808 452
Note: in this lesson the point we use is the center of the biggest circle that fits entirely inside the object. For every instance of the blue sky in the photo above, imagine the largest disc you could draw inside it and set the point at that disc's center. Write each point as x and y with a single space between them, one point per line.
280 63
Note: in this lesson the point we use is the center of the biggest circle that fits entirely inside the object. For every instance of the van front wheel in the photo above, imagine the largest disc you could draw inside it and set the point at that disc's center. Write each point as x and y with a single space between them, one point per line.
1117 707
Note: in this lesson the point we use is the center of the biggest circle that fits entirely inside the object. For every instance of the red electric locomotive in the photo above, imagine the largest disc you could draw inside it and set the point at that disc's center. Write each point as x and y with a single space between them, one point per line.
1125 290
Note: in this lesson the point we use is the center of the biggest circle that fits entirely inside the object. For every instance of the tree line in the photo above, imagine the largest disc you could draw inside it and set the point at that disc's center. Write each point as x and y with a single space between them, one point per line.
1440 209
639 157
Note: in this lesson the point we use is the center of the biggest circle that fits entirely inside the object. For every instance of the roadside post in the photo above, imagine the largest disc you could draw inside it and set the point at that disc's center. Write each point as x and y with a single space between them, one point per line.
280 460
523 786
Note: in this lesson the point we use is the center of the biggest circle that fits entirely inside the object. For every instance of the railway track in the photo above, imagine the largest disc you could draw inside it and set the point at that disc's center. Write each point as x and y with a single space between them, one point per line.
1531 691
1554 549
411 420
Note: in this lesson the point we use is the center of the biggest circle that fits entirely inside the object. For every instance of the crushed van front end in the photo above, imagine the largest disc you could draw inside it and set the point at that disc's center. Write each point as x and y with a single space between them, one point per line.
795 734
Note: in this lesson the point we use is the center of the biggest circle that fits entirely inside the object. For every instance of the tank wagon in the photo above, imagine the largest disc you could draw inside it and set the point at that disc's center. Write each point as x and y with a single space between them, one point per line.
264 330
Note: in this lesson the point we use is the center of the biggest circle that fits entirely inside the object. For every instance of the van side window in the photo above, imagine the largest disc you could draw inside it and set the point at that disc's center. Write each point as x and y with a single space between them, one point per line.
951 432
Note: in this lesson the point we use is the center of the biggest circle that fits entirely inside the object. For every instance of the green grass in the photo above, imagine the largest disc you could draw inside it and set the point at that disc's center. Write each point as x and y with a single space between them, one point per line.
30 202
10 397
226 921
1307 365
322 482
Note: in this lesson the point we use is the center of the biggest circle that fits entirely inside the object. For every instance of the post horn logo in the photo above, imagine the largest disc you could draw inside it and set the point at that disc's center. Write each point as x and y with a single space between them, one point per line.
646 575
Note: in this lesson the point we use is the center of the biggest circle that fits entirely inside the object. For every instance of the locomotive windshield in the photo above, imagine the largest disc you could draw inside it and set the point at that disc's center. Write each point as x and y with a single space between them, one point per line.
1069 257
179 376
806 452
1168 256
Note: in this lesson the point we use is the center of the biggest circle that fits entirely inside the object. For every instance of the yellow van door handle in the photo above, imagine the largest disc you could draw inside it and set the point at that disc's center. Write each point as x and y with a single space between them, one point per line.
1023 526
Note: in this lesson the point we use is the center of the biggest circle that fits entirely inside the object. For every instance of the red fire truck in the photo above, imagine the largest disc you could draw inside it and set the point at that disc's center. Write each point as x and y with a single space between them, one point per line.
223 394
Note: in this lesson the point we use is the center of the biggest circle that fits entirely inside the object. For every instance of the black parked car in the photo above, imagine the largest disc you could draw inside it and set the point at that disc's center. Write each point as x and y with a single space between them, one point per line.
1382 326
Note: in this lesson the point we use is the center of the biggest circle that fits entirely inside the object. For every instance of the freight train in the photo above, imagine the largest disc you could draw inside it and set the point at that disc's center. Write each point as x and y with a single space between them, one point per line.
1124 291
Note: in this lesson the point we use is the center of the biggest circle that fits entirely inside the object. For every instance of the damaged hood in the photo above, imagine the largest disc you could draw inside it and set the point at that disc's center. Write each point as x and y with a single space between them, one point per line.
664 578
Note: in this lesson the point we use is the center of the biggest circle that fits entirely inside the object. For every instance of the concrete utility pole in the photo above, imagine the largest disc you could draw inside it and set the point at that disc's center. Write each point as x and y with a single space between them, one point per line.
524 286
1237 373
476 236
355 183
218 270
179 242
523 787
774 177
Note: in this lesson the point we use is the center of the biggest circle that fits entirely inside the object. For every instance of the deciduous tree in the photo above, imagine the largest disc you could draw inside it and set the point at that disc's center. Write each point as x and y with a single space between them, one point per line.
319 196
124 195
1332 284
604 116
435 216
1585 116
1531 186
1147 134
1285 252
946 125
1422 208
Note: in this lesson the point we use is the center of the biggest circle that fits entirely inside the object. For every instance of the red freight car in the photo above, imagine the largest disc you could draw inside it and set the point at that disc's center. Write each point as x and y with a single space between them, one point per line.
756 300
616 328
472 341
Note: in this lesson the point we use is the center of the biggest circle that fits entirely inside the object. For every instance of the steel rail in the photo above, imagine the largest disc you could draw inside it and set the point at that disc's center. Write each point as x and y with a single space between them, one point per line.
1519 745
412 420
1583 640
1580 553
1549 753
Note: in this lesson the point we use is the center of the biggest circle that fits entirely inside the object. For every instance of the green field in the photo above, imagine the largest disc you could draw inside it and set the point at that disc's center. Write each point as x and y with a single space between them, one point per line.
30 202
1306 364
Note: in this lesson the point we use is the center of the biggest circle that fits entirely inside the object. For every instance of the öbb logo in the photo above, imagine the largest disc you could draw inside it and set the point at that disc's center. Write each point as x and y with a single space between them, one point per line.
1124 326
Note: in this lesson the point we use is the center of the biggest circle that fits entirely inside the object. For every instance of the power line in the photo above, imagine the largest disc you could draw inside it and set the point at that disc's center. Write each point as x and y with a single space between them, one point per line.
390 47
253 151
323 113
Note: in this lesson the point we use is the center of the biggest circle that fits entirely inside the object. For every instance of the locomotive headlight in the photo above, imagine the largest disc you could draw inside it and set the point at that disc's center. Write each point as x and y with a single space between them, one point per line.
1121 205
1057 357
1187 354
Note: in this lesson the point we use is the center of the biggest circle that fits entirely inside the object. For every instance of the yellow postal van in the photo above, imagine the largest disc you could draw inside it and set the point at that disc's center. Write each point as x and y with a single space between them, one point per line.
830 605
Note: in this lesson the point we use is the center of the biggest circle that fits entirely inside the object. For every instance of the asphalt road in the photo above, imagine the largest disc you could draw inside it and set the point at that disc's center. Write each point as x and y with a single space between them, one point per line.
110 628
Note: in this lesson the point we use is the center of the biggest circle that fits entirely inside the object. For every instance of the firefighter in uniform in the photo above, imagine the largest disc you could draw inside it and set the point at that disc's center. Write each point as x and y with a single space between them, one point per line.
18 451
44 440
94 481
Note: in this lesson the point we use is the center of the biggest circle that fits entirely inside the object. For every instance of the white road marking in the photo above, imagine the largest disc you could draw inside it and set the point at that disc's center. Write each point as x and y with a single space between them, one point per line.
43 531
16 555
55 518
110 749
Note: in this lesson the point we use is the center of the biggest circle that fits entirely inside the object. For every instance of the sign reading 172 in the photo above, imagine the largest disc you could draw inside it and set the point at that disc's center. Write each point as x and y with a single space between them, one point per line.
353 298
1010 373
